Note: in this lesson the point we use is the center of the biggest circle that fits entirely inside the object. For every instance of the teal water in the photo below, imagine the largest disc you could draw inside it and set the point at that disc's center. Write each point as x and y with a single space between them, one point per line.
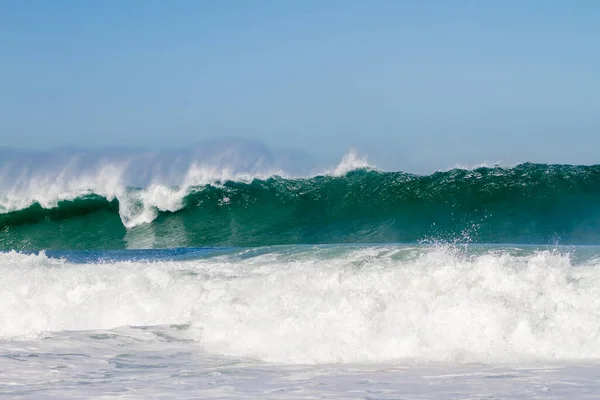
528 204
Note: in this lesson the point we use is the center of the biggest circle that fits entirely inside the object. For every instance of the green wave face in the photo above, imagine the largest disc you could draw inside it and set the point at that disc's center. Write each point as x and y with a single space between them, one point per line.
530 203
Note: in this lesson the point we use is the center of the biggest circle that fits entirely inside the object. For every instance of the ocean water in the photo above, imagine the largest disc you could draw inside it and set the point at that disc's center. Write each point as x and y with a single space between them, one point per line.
353 283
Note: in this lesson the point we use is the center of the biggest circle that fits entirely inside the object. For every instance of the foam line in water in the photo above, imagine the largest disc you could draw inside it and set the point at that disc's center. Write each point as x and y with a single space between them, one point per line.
326 305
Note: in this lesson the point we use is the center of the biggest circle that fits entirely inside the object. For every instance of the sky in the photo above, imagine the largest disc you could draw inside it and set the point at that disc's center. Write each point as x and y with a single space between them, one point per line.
414 85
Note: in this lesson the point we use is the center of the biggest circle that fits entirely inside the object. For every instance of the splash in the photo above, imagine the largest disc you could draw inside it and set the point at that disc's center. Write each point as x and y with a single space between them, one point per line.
350 162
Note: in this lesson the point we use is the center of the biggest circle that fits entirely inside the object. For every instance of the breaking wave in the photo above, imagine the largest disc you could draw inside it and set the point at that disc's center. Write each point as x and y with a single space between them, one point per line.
527 203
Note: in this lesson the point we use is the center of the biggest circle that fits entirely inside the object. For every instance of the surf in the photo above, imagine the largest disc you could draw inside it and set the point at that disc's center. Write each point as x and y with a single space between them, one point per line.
324 304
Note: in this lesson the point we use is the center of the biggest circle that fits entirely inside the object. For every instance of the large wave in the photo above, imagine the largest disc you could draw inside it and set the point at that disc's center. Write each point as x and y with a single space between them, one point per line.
528 203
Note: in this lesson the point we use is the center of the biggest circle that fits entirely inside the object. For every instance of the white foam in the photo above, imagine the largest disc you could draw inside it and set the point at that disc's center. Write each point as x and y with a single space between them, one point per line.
485 164
370 305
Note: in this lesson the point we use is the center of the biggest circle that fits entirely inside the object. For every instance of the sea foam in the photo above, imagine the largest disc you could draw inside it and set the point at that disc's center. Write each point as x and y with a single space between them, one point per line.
326 304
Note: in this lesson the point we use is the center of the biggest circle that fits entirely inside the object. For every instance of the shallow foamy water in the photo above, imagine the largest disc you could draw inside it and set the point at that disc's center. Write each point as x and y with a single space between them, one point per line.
160 362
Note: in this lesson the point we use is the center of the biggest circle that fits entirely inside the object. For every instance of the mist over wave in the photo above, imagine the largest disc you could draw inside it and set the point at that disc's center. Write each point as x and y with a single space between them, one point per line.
139 167
56 173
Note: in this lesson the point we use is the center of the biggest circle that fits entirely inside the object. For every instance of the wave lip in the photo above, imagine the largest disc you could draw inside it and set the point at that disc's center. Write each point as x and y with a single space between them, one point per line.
328 304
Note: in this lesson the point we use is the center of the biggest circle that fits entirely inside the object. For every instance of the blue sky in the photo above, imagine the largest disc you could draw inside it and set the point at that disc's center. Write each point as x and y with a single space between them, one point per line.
413 84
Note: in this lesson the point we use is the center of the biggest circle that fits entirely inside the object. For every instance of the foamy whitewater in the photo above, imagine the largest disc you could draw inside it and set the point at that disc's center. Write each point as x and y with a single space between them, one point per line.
302 321
232 272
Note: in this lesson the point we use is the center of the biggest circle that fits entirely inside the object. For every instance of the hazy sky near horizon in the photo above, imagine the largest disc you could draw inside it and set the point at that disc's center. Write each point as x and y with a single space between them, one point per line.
413 84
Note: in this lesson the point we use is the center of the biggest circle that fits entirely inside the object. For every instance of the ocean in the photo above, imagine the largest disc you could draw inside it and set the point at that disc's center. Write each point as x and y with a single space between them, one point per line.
354 283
